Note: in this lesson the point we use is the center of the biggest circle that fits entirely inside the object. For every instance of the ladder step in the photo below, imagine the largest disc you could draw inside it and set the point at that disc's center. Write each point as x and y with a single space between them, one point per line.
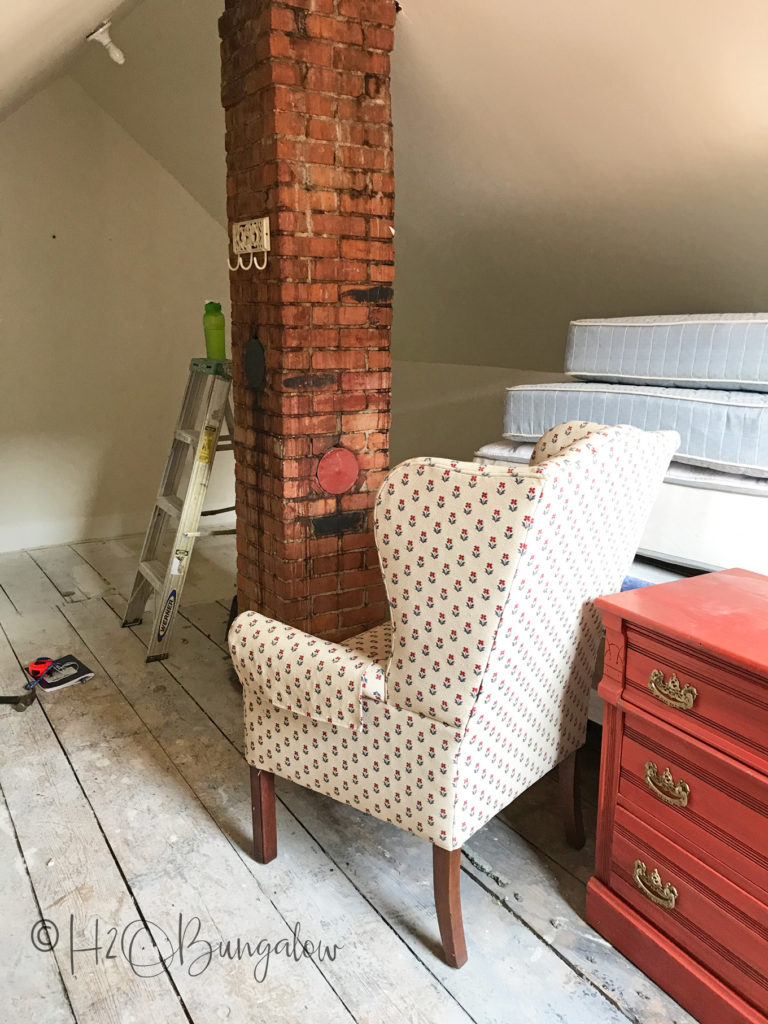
206 405
170 503
153 572
187 436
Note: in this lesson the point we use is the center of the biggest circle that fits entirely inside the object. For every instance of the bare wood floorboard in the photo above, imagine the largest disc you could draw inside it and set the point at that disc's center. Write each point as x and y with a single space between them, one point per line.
127 799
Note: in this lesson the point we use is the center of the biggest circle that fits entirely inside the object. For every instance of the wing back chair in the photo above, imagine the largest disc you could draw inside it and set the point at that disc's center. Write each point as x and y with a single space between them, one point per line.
479 683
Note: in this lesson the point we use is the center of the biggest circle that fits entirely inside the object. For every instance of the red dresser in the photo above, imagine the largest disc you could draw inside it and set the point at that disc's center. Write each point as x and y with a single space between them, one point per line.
681 874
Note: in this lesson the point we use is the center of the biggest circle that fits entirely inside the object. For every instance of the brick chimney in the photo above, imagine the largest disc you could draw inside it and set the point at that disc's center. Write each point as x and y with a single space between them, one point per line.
305 87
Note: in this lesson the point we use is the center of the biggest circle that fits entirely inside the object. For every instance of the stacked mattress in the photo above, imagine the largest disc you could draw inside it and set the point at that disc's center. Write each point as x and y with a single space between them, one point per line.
704 376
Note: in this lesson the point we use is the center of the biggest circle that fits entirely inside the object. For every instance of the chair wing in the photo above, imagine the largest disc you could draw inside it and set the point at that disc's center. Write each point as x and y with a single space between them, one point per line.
531 708
449 536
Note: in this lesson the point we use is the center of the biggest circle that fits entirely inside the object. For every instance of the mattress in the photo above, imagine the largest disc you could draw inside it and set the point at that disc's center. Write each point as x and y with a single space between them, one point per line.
725 351
701 519
725 431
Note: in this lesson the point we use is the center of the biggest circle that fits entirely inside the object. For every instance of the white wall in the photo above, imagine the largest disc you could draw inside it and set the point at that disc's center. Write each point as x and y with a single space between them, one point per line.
167 95
38 36
557 160
553 161
104 267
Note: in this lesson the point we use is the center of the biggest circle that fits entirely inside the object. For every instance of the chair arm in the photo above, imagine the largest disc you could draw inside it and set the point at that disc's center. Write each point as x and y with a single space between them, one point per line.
298 672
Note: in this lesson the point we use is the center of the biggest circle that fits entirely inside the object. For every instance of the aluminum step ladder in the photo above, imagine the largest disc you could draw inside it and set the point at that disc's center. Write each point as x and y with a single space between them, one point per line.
206 406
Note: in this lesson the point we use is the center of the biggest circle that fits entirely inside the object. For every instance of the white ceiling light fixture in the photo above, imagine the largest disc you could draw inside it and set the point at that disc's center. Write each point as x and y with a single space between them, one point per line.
101 35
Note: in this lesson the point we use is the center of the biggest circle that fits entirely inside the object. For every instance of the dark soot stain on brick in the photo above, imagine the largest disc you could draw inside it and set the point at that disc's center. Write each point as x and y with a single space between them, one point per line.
338 523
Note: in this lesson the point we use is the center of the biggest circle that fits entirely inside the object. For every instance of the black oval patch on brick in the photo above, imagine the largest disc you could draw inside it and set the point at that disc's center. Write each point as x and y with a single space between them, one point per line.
255 363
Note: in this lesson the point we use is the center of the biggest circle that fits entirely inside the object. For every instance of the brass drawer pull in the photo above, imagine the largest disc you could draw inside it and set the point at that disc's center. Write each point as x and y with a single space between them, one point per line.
664 895
663 786
670 691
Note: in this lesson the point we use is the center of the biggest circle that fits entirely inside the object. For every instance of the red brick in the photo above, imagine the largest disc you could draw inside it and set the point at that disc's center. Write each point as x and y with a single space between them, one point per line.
377 206
380 360
382 272
368 157
340 270
335 224
374 480
354 249
338 177
341 83
322 128
367 337
360 421
376 37
328 584
338 562
381 12
344 359
319 6
335 29
308 137
348 315
320 105
323 200
364 109
374 460
334 602
289 123
339 402
374 380
324 625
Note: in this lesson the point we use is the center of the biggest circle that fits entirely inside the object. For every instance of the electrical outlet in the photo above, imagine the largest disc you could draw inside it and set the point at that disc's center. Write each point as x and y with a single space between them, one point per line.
250 236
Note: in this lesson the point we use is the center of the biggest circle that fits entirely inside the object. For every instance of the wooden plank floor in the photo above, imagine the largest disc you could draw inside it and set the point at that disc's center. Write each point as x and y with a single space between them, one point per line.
125 823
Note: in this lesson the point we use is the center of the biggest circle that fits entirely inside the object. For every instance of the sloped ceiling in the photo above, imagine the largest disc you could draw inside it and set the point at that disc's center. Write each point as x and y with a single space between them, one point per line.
553 160
167 94
38 37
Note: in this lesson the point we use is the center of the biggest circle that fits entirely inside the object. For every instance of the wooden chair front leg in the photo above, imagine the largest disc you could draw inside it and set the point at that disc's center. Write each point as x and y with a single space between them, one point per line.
264 817
446 866
569 777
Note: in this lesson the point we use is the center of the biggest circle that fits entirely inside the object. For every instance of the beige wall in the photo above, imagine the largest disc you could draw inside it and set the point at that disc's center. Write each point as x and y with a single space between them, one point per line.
449 410
104 266
553 160
557 160
38 37
167 94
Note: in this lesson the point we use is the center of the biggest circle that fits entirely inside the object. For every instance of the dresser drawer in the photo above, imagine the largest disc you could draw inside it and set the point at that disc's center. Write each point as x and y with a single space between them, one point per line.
705 914
697 797
701 697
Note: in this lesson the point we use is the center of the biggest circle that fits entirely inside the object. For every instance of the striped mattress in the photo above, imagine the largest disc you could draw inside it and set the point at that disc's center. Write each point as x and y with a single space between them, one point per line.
724 351
720 430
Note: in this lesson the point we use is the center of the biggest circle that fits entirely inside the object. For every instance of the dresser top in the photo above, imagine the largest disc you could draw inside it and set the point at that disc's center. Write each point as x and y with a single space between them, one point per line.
722 613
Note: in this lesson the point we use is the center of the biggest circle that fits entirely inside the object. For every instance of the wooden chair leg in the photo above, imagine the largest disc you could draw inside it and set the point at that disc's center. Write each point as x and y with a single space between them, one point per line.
570 799
264 819
446 866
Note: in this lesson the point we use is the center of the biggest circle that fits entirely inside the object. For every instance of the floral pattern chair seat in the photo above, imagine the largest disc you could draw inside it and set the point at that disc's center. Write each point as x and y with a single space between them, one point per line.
479 684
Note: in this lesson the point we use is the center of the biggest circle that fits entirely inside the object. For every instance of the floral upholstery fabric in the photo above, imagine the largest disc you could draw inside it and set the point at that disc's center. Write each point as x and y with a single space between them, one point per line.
556 440
490 574
375 645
